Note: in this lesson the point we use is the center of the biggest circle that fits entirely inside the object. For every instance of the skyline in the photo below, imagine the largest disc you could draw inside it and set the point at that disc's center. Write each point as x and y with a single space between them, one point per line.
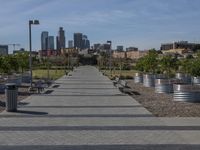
138 23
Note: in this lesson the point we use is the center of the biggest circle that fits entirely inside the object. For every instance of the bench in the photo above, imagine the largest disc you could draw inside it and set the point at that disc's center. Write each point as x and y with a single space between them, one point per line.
116 81
123 87
38 87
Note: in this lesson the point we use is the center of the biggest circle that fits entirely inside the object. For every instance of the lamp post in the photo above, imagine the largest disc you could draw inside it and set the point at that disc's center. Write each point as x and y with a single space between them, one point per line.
110 57
31 22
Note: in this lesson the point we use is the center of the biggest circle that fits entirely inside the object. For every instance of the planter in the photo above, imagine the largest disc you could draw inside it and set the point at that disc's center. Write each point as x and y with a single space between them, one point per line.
2 88
138 78
186 93
196 80
163 86
149 80
184 78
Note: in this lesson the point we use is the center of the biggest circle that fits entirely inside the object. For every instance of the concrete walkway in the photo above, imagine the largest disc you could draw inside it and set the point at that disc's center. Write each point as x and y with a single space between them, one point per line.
85 111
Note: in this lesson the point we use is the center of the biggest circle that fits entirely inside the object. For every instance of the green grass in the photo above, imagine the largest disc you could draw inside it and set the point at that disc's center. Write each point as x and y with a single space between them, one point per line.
53 74
123 73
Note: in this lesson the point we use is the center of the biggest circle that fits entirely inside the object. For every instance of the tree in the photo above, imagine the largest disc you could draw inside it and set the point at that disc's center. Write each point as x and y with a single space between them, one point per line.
151 61
167 64
23 60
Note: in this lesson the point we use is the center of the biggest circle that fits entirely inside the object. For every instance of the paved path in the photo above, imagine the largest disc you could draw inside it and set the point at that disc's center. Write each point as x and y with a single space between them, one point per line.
85 111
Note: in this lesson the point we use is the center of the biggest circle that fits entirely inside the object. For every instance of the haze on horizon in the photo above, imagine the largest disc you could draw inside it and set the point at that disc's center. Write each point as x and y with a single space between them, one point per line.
141 23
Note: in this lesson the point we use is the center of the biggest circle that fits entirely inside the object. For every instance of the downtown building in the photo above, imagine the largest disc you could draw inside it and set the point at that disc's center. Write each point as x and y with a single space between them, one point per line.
60 39
78 40
44 40
70 44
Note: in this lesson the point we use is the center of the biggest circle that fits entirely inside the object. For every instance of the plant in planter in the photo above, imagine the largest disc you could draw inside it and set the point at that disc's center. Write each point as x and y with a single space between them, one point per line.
162 83
195 71
185 70
168 64
150 66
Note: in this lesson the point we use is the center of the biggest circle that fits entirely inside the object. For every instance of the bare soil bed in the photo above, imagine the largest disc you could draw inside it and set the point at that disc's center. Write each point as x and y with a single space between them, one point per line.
162 105
22 94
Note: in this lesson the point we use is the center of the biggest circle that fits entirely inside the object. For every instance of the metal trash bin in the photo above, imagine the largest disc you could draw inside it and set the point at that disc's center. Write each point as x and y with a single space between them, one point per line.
11 97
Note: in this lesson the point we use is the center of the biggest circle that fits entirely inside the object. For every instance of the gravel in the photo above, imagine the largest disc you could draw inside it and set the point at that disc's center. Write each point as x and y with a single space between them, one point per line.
162 105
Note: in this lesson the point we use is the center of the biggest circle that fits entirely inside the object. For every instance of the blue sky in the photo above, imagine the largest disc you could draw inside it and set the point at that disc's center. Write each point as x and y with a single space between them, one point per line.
141 23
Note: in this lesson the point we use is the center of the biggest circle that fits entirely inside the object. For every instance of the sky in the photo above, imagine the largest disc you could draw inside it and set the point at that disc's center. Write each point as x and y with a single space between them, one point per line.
140 23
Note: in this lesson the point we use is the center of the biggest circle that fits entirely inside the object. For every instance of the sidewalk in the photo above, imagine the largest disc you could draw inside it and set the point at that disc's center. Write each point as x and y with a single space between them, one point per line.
85 111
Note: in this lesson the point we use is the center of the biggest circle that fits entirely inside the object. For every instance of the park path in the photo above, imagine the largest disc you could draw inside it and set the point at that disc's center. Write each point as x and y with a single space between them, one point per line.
84 111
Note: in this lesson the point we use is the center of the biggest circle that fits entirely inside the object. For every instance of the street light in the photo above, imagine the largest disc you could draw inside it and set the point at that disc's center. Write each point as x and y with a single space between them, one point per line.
31 22
110 54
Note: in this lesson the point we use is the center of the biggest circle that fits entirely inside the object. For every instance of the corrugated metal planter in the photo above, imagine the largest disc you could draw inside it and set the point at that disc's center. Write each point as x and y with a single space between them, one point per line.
2 88
138 78
184 78
196 80
163 86
149 80
186 93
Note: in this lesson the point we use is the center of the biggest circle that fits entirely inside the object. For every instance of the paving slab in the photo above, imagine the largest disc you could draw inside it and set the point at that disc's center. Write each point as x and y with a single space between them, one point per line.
84 111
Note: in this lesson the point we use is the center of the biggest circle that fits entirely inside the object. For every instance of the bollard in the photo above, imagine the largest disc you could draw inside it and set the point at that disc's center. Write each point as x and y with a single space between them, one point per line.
11 97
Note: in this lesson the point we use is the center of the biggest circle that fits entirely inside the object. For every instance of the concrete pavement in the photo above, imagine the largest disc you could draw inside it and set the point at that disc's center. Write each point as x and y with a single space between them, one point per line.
85 111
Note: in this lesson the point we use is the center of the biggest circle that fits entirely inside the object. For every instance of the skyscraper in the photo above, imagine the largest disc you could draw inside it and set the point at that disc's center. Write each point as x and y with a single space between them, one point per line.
44 44
78 40
50 41
60 39
70 44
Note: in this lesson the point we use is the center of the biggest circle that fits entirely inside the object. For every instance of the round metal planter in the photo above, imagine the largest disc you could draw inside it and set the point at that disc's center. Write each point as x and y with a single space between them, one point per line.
2 88
149 80
184 78
163 86
138 78
186 93
196 80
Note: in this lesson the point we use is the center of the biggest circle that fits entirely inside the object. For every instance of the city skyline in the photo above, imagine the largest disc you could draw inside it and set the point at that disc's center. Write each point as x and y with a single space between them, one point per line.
138 23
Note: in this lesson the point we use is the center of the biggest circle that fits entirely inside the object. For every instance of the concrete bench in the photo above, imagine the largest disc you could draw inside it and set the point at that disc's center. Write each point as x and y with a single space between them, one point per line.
123 87
38 87
116 81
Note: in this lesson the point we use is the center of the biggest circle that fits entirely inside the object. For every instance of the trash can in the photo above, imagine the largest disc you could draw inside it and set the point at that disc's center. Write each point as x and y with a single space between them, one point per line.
11 97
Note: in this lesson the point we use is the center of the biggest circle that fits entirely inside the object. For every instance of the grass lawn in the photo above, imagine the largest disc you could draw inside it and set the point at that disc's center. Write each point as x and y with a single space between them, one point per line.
124 73
53 74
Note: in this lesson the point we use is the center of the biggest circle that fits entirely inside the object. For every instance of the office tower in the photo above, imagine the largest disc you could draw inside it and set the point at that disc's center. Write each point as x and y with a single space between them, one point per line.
60 39
70 44
50 41
78 40
85 42
44 37
3 50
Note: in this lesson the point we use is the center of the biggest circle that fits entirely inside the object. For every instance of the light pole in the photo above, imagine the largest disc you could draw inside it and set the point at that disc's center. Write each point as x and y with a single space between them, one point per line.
110 54
31 22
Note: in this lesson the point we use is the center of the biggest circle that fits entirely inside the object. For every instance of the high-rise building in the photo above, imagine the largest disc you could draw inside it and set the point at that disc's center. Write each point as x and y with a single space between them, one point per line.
4 50
60 39
70 44
78 40
44 37
85 42
50 41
